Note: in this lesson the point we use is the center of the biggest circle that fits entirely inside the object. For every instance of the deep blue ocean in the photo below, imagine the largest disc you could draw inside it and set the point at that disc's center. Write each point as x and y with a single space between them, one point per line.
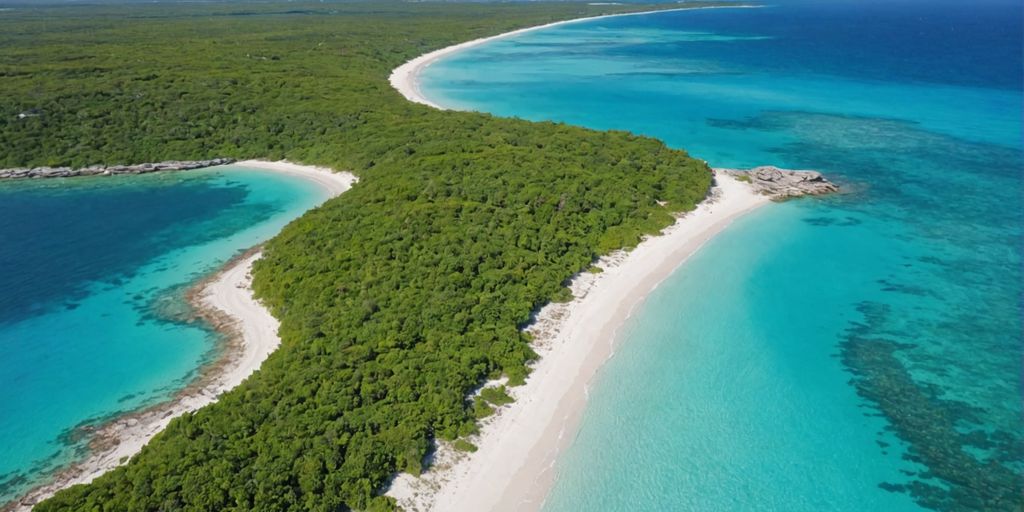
93 321
856 352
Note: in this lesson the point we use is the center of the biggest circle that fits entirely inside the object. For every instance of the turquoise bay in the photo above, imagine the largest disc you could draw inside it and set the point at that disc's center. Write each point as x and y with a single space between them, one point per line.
859 352
93 321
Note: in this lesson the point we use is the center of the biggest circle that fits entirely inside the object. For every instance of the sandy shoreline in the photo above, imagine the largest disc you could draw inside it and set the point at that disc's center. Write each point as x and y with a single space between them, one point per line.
225 301
332 181
513 467
405 78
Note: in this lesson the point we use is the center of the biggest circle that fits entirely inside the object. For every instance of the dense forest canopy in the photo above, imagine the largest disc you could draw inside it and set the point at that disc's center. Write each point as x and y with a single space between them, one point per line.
397 298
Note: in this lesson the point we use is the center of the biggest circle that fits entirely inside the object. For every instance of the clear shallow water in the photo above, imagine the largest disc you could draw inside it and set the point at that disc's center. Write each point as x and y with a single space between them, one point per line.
860 352
93 320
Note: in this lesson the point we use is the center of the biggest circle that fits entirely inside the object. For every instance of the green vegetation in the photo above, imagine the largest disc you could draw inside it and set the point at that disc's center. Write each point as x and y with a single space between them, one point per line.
481 409
396 299
496 396
489 398
464 446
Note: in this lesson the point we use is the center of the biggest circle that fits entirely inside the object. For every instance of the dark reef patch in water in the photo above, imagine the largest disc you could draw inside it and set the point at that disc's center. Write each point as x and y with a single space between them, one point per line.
939 350
931 425
672 74
889 286
832 221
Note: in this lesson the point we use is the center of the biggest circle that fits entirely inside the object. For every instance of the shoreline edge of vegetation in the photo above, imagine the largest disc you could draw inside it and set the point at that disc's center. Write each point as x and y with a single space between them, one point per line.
397 299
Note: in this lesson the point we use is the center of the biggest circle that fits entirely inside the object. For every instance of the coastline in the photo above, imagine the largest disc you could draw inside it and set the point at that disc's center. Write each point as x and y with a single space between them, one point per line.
405 78
513 468
225 301
23 173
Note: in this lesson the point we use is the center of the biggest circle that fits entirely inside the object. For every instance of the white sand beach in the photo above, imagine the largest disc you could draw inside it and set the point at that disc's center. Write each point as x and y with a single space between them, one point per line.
333 182
405 78
226 300
513 467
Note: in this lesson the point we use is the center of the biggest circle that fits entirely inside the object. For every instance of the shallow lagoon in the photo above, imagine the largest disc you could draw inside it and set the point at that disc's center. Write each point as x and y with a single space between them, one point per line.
93 321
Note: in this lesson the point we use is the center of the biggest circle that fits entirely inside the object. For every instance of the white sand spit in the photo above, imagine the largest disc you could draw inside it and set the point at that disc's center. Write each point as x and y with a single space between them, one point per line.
405 78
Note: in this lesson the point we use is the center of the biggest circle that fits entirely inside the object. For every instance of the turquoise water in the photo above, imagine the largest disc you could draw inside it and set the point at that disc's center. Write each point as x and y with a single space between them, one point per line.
93 321
857 352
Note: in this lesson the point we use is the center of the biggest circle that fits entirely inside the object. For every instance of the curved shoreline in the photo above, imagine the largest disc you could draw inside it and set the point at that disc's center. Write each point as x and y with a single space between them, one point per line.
225 301
512 469
405 78
517 447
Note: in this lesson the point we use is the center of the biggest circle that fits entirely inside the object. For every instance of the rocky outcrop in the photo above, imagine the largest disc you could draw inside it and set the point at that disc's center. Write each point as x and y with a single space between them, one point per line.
782 183
109 170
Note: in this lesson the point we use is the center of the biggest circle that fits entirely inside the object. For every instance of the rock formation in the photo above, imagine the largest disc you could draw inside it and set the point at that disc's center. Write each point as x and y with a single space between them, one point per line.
782 183
105 170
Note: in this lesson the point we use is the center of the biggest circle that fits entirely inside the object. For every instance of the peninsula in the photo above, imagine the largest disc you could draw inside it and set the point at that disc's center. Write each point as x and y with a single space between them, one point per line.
398 299
511 466
430 338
